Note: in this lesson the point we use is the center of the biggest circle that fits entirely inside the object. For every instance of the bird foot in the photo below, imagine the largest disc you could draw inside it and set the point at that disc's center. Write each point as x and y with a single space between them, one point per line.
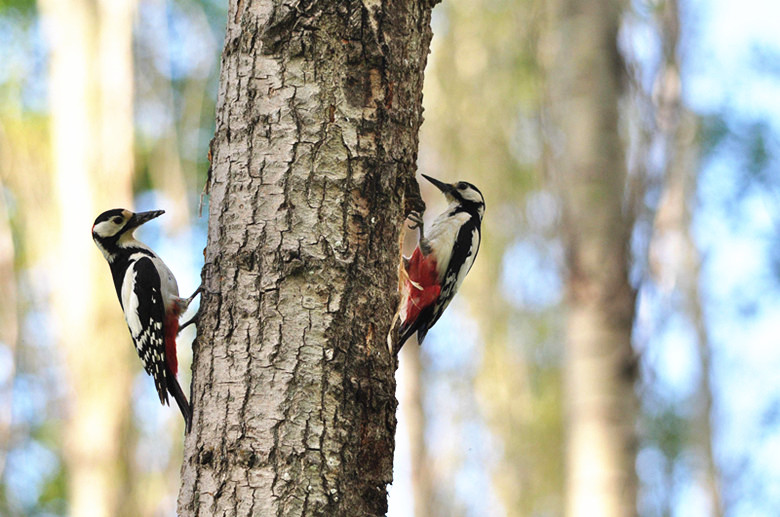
193 295
187 302
418 224
189 322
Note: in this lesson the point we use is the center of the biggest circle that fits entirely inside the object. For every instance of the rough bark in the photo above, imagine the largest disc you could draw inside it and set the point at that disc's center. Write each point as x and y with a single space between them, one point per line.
590 172
316 141
92 137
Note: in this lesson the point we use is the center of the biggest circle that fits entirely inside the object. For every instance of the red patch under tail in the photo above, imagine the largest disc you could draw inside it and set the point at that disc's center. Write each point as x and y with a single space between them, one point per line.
421 287
171 330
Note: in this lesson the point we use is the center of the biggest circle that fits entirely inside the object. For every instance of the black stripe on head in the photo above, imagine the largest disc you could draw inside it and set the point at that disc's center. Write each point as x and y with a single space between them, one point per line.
463 185
108 214
465 191
469 197
109 226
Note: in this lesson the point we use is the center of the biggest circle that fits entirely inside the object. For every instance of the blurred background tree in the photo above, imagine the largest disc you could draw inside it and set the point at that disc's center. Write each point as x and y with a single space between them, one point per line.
93 116
109 103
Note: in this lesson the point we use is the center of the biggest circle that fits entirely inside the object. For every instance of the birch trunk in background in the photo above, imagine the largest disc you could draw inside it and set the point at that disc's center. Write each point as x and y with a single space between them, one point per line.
585 81
674 221
413 408
316 142
9 324
91 93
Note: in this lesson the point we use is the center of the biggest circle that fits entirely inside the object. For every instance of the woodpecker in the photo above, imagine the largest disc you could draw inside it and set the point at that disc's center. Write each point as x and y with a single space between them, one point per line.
441 260
149 297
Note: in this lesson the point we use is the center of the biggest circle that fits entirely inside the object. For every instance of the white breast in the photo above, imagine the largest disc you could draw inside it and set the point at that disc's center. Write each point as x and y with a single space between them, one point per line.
441 237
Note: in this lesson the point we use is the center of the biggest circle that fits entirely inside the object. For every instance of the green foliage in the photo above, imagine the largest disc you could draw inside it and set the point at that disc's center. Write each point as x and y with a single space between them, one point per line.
669 431
25 7
757 153
713 130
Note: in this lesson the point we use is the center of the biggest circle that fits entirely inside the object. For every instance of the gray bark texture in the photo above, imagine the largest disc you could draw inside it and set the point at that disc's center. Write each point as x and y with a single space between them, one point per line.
313 166
586 81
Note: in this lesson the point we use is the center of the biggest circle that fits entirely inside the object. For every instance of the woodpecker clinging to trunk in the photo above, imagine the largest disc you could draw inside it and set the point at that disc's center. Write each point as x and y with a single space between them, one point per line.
149 296
441 260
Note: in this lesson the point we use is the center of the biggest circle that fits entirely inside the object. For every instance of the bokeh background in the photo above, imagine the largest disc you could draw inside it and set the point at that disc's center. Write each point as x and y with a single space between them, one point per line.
109 103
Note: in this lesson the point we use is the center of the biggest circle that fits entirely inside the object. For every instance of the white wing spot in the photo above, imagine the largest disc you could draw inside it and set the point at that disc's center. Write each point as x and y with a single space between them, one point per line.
130 303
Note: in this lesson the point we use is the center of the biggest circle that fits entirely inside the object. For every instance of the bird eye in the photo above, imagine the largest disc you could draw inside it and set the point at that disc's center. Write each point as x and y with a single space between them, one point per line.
118 220
462 186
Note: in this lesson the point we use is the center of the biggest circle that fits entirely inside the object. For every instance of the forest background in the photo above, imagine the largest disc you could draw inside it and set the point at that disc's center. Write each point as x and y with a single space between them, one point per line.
129 86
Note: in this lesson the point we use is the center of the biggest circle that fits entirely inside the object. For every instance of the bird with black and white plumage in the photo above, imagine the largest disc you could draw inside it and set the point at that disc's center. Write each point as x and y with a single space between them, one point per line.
149 296
441 260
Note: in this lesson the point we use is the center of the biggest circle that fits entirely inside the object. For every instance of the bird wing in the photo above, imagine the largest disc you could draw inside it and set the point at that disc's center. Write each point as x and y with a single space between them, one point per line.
144 312
461 260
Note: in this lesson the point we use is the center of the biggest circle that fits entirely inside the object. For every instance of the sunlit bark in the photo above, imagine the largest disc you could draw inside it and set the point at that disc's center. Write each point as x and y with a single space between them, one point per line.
316 143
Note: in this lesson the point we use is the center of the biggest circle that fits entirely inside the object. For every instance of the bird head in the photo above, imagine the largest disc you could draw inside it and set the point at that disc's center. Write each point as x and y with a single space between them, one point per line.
462 193
114 228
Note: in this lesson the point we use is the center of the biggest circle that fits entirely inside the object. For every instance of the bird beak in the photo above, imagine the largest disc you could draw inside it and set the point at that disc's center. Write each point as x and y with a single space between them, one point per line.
445 188
140 218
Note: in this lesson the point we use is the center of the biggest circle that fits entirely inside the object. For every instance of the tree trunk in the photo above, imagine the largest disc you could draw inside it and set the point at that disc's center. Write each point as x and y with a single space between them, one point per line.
590 171
678 127
315 148
9 325
91 94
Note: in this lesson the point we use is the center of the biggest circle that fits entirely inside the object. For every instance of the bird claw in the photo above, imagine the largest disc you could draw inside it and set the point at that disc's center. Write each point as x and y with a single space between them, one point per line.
416 218
189 322
193 295
188 301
